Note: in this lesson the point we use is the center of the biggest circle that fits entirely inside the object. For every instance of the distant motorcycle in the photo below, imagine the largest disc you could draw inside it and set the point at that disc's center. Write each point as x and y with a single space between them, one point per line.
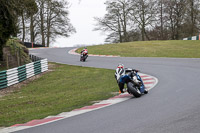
84 56
135 85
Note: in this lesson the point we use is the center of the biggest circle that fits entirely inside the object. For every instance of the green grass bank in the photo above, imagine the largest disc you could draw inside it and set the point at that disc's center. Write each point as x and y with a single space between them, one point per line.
62 89
171 48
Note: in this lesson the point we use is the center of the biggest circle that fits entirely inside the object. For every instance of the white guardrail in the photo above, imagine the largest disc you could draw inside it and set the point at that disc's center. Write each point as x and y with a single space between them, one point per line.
21 73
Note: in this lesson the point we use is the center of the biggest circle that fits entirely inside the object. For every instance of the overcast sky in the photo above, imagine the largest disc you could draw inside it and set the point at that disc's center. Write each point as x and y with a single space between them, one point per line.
81 14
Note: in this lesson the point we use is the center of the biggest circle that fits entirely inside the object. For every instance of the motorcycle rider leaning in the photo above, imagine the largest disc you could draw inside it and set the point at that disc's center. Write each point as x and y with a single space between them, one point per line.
122 77
84 50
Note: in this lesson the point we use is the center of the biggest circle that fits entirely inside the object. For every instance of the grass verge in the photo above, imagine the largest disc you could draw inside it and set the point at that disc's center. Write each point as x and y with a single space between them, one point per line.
63 89
171 48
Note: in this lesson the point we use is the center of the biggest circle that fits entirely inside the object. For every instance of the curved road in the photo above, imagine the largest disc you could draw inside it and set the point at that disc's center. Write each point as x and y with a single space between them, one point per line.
172 106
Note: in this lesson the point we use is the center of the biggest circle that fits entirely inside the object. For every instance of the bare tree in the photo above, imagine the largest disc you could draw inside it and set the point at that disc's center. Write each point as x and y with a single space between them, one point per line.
160 12
143 13
58 23
41 20
175 14
50 21
191 18
26 9
115 21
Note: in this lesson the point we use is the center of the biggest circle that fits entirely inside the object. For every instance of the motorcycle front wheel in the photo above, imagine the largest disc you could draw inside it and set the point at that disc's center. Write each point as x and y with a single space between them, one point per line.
134 90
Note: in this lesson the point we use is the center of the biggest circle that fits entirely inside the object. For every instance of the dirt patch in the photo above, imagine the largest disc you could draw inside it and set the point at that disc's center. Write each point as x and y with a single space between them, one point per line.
17 87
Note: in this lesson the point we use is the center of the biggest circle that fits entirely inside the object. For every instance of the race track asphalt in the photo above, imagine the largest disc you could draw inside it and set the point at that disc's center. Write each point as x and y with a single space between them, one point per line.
172 106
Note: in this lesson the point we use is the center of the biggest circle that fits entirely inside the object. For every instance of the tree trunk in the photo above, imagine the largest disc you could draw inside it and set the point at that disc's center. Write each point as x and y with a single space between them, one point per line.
143 22
192 18
146 35
124 24
142 33
24 28
48 32
119 31
32 29
48 37
42 23
161 20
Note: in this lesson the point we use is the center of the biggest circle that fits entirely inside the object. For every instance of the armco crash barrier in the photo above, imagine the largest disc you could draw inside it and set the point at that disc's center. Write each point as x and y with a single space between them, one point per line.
19 74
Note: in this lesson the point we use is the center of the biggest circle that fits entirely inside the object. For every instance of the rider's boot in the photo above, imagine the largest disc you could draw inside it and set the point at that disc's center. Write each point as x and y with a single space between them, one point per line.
121 91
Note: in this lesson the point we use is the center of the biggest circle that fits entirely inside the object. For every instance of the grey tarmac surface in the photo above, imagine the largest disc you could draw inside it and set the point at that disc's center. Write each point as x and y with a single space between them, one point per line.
172 106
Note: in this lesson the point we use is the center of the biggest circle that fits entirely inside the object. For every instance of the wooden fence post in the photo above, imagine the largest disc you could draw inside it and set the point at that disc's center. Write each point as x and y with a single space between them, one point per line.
17 54
7 65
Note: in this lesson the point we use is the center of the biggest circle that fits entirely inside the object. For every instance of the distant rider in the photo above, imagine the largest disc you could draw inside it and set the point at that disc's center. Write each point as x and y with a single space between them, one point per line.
84 51
123 75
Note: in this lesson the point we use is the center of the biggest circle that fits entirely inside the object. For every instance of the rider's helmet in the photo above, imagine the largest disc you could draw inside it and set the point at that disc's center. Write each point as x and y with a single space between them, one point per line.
120 66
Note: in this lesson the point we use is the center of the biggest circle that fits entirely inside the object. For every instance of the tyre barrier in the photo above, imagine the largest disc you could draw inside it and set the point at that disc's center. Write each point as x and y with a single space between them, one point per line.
193 38
21 73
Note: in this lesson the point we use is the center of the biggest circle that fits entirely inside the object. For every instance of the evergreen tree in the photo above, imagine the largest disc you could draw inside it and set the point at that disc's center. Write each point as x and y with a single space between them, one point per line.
7 23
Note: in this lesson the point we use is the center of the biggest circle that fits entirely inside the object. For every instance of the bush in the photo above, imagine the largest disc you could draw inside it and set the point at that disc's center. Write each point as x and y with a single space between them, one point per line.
15 54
